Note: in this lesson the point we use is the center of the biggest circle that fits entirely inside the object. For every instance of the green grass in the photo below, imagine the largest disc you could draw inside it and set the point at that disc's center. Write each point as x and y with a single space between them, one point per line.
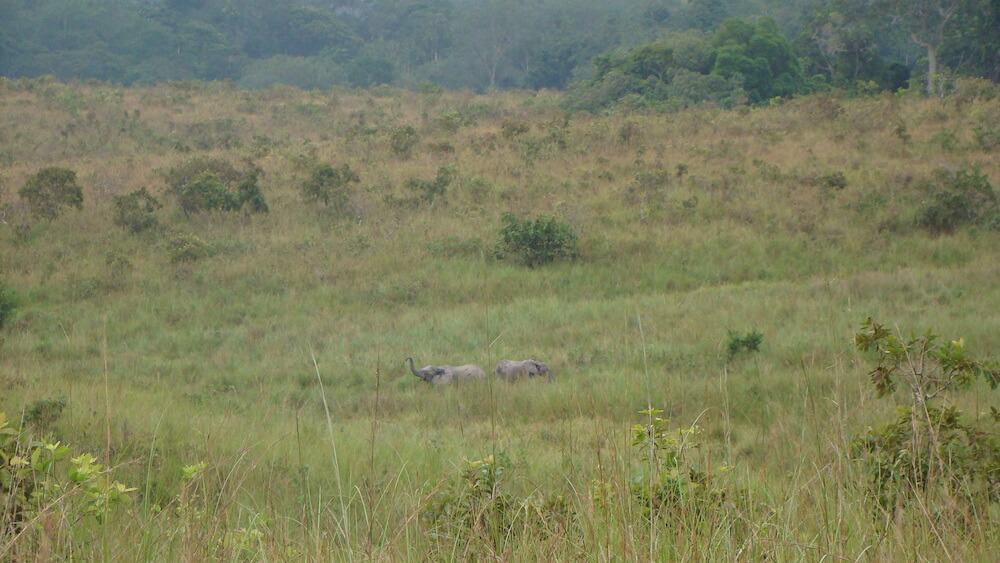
212 361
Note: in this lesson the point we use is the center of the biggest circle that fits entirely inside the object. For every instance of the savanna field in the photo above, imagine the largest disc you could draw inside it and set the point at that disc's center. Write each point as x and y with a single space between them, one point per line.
241 374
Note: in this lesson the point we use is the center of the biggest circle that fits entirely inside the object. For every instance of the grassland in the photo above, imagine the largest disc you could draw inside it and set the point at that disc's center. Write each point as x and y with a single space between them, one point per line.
690 225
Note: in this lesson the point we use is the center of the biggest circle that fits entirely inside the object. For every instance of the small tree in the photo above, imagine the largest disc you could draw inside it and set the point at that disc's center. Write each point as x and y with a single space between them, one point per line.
50 190
205 184
927 445
330 185
136 211
536 242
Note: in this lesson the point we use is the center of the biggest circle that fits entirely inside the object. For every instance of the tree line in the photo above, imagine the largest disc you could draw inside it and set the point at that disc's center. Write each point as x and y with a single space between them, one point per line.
492 44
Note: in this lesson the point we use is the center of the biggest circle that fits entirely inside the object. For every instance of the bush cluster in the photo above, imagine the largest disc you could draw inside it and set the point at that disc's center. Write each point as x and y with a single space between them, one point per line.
205 184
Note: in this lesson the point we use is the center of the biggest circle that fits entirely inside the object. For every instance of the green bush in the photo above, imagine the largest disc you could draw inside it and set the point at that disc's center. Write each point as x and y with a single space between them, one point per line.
958 198
429 190
330 186
136 211
208 184
536 242
749 342
50 190
208 192
194 168
8 304
403 140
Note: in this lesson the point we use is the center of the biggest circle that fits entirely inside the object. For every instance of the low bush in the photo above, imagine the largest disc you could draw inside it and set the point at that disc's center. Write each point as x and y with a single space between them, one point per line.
136 211
535 242
672 484
749 342
833 181
50 190
958 198
186 247
37 477
330 186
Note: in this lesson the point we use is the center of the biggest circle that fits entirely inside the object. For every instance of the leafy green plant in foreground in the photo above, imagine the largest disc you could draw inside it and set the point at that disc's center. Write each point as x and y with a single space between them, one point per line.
35 478
929 451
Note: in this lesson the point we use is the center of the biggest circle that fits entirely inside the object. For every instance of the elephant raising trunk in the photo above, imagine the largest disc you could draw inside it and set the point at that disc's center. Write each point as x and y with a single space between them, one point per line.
443 375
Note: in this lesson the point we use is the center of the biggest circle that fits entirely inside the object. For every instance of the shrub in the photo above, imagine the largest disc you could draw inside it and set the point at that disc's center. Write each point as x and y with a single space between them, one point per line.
927 446
428 190
536 242
8 304
136 211
833 181
186 247
403 140
119 267
207 192
250 197
190 170
749 342
44 412
671 483
512 128
960 198
330 185
34 477
50 190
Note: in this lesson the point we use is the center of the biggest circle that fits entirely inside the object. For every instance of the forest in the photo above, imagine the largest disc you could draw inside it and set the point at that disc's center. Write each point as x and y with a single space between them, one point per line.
483 45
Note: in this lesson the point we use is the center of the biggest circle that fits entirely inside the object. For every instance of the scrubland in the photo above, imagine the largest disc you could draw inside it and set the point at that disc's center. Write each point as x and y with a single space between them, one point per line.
275 359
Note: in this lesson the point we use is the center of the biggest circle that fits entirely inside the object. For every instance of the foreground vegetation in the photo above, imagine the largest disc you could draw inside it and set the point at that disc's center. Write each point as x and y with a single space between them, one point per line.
223 367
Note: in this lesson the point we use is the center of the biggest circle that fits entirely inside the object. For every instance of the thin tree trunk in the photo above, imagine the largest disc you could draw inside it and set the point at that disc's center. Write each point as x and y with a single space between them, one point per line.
932 65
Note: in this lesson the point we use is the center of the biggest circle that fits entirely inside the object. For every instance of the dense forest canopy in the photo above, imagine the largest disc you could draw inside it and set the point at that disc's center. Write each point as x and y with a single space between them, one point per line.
487 44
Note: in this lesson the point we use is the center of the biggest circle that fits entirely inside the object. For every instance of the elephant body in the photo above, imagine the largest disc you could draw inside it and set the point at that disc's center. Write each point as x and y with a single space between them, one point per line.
512 370
443 375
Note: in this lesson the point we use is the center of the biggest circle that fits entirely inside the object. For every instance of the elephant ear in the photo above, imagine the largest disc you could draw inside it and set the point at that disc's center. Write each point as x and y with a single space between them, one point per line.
438 371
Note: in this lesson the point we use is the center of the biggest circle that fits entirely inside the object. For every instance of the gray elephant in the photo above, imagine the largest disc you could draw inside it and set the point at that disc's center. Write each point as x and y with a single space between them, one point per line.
512 370
443 375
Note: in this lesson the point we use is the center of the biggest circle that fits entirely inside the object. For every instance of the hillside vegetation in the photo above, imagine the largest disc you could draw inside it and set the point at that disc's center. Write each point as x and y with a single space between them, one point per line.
241 368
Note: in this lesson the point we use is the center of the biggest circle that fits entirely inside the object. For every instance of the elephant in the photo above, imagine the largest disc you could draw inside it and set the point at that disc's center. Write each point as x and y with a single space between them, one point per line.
512 370
443 375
